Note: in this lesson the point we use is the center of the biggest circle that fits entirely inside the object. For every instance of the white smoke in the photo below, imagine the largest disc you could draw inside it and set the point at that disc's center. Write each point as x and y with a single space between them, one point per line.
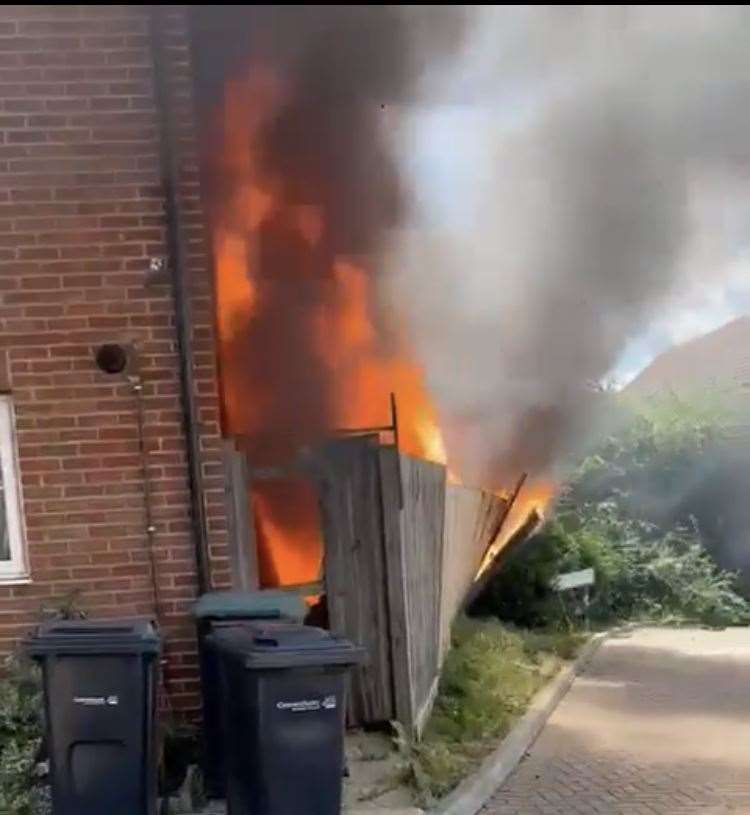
575 173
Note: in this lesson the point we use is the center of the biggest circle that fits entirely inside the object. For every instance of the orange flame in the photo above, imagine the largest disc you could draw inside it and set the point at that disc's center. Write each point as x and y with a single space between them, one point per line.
344 341
365 376
535 496
287 521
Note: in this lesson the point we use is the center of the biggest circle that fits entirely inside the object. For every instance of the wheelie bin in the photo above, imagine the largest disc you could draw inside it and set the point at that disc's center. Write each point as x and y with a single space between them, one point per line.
100 681
221 609
284 706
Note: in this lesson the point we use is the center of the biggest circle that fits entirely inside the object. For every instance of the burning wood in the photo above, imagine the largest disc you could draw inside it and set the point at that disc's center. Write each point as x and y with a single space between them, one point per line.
520 534
301 352
304 192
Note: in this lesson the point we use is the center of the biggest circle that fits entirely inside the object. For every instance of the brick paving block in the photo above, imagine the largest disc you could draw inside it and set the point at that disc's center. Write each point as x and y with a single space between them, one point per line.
655 726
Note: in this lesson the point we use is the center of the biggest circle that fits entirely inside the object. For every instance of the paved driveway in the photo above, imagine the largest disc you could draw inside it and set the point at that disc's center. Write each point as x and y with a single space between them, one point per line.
659 724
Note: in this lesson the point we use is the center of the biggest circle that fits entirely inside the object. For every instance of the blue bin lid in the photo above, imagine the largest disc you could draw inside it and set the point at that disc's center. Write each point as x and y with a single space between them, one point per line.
267 604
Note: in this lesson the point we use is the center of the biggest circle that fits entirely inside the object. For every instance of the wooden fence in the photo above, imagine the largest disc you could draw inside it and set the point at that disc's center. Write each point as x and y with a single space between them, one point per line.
472 521
355 570
414 513
401 550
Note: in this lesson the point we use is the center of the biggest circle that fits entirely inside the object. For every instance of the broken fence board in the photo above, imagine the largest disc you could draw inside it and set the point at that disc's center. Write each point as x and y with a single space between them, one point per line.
471 519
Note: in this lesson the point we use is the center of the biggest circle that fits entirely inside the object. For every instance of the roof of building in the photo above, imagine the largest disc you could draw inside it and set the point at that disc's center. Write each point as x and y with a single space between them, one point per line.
718 361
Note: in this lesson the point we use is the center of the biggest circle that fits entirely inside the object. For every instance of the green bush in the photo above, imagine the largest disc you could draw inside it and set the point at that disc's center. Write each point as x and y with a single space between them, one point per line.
20 737
671 465
626 513
641 574
21 723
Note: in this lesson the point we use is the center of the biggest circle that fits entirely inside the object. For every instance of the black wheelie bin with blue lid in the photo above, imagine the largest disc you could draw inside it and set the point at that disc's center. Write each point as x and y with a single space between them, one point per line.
220 609
284 694
100 681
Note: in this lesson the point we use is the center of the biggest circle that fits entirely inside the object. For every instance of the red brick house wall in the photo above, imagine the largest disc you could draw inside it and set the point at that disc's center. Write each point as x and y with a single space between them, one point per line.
82 213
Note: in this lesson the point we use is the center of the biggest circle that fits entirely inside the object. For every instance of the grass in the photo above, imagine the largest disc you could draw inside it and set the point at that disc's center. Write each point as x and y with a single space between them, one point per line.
488 679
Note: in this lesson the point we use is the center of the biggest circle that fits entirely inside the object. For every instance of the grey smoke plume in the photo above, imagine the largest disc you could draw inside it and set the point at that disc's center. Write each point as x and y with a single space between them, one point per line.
537 199
340 70
583 140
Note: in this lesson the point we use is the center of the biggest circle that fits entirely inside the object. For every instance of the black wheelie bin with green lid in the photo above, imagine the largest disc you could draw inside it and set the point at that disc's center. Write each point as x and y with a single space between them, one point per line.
284 692
100 681
220 609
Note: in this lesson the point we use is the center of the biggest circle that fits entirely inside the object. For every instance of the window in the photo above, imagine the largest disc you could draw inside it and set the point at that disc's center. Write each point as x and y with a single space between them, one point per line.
12 545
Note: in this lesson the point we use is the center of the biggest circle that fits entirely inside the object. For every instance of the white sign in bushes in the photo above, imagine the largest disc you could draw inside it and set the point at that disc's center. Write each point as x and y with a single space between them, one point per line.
574 580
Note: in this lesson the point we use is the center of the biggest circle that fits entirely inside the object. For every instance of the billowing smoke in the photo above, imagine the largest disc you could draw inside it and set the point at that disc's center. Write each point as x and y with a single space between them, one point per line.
302 189
535 182
569 152
293 100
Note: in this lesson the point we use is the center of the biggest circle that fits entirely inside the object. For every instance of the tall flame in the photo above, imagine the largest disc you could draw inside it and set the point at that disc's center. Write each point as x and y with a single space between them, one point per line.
331 307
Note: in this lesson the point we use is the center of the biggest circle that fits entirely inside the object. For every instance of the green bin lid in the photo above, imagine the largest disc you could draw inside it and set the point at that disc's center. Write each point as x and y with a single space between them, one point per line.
250 605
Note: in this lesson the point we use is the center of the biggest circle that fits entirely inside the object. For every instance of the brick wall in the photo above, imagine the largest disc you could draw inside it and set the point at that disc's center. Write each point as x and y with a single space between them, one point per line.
81 214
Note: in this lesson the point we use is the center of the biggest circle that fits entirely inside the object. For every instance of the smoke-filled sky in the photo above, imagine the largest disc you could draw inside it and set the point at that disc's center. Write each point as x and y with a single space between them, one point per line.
581 199
543 196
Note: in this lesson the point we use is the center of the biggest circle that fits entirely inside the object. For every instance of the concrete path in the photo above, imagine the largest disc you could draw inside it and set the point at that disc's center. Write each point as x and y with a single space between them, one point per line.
659 724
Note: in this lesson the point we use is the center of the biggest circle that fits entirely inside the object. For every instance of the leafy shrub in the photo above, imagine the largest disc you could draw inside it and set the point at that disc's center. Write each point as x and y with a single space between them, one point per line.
20 737
627 513
676 464
657 452
21 723
641 574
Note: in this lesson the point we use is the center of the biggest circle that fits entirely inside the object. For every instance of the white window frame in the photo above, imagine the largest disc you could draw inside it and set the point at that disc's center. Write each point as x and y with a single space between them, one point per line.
15 570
